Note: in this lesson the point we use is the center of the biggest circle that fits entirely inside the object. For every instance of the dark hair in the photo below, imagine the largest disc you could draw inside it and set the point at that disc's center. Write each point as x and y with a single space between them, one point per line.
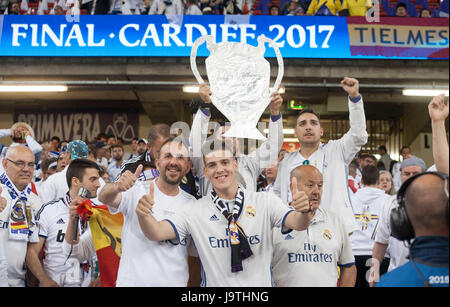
382 147
208 147
308 110
399 5
147 164
172 139
404 147
93 150
424 9
156 131
370 175
116 146
77 169
101 135
46 163
55 138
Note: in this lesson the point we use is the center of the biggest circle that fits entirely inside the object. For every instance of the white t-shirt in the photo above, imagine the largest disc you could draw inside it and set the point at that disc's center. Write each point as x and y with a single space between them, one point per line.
53 218
310 258
145 262
367 205
397 250
209 229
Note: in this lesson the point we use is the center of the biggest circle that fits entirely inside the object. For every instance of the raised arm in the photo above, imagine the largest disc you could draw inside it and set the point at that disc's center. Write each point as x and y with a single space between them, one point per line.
357 136
438 110
111 194
154 230
199 130
268 151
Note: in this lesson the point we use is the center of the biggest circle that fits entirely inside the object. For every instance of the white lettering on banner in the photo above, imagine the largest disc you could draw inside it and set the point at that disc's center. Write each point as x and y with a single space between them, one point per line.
154 35
58 41
132 35
122 37
16 33
84 126
189 30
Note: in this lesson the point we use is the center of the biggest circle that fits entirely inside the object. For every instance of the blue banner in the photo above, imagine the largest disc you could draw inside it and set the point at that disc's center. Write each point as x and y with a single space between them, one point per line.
155 35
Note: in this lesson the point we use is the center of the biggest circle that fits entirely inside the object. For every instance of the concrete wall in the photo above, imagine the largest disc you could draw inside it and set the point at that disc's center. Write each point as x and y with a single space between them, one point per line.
422 147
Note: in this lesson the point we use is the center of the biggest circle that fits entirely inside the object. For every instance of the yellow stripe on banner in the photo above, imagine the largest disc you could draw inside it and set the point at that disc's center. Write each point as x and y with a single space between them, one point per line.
398 36
106 229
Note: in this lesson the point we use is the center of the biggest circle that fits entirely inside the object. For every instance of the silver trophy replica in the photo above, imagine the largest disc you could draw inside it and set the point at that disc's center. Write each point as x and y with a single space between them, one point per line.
239 78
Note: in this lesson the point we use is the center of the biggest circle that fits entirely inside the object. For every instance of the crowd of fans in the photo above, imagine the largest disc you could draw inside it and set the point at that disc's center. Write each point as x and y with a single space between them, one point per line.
354 189
400 8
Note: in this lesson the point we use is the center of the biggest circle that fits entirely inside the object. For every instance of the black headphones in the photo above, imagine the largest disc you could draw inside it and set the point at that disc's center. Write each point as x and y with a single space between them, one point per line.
401 227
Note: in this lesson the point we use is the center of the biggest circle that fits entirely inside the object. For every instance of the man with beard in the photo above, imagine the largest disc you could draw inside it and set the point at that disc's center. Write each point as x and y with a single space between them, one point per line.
147 149
114 167
331 159
144 262
311 258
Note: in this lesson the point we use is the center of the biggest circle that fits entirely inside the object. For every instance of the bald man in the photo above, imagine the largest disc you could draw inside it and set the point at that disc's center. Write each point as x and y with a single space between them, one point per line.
310 258
17 223
426 203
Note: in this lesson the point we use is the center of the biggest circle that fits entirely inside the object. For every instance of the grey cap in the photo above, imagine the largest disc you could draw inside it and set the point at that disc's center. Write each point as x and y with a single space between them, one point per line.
413 161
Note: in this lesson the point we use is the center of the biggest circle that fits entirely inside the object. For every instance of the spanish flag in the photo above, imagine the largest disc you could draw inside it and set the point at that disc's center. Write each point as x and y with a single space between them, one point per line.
106 232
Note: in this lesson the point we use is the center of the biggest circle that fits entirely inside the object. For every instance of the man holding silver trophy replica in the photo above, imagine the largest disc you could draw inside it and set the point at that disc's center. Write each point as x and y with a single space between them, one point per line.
239 79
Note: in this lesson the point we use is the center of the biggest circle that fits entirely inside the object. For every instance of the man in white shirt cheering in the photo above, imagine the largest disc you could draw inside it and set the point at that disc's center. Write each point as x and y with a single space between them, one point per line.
331 159
230 225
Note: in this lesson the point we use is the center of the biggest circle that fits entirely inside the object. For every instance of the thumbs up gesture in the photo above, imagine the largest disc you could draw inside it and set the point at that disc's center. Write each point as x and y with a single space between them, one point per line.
146 202
2 201
300 201
128 179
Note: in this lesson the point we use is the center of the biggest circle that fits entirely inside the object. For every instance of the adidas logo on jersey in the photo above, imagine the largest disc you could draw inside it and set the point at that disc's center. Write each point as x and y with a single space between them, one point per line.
214 218
289 237
60 221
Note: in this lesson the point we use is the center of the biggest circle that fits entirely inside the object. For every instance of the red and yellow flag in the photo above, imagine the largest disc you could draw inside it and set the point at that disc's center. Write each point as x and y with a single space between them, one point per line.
106 230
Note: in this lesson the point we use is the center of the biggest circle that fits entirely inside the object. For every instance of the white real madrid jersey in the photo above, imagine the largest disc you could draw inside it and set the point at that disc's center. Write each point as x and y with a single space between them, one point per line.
53 218
145 262
209 230
367 206
310 258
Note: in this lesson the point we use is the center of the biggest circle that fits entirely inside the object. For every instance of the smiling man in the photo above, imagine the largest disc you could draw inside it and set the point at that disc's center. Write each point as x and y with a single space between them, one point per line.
331 159
231 226
144 262
311 258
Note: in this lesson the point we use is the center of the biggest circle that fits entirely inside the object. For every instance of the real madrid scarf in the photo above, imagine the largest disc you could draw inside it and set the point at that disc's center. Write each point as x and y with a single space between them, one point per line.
21 226
240 249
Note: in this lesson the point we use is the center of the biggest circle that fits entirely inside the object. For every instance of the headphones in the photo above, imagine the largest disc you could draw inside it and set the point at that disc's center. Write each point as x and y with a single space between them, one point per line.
401 227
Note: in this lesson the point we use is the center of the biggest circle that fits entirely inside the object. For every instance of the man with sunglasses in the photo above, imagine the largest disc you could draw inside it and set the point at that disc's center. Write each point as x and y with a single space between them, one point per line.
17 219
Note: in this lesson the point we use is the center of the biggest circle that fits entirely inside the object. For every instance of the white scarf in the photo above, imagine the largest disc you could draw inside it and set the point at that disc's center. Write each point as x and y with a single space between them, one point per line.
22 225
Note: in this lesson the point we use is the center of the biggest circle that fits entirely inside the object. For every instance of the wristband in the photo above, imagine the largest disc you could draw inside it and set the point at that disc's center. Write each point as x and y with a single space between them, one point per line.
356 99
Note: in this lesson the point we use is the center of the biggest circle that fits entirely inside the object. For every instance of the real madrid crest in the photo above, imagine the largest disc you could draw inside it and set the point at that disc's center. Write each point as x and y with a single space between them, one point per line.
250 211
327 234
17 212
